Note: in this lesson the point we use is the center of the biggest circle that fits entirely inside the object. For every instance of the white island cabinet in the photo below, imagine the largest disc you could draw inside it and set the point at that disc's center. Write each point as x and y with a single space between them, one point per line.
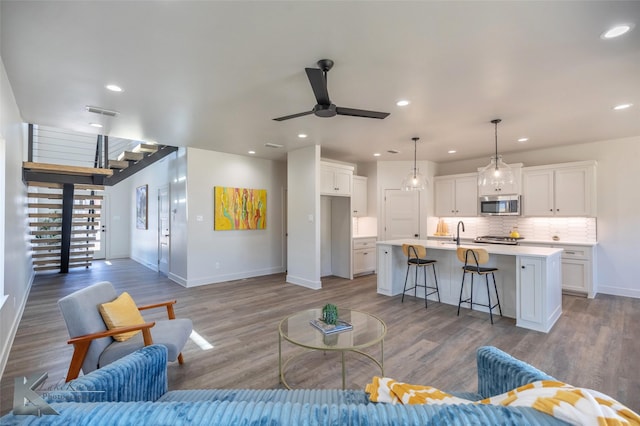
529 279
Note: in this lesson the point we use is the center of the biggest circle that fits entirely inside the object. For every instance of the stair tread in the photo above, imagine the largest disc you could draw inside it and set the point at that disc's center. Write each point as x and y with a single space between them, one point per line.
145 147
115 164
130 156
60 169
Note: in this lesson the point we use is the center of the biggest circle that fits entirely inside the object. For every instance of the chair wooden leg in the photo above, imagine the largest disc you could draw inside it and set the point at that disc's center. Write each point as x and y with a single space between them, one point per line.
80 350
180 358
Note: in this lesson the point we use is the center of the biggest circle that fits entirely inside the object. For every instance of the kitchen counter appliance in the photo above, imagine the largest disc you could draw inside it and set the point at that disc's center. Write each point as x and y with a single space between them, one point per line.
492 239
499 205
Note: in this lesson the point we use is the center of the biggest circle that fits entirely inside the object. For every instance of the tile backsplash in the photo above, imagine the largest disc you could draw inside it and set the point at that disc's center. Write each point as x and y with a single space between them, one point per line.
575 229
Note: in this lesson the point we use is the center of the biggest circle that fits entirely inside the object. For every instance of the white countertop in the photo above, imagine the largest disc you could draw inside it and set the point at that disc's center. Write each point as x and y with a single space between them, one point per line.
364 236
499 249
523 241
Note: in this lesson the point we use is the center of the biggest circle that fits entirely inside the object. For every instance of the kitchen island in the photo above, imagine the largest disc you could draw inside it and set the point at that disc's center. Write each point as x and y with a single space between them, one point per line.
528 281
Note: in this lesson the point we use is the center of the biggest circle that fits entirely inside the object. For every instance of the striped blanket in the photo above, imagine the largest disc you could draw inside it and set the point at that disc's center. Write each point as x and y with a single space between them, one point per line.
577 406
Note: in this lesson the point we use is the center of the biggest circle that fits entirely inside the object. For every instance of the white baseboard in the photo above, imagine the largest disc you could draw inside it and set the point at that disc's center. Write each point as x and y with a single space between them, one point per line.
6 347
146 264
313 285
619 291
231 277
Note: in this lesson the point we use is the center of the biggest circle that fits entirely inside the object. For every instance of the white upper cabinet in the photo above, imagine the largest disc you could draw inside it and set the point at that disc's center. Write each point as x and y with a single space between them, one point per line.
560 190
507 188
335 179
359 196
456 195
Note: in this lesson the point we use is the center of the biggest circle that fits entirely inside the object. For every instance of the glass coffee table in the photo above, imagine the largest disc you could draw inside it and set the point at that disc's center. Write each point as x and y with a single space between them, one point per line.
368 330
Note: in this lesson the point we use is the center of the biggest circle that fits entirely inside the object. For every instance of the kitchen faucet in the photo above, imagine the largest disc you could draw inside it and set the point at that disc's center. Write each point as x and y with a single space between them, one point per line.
458 232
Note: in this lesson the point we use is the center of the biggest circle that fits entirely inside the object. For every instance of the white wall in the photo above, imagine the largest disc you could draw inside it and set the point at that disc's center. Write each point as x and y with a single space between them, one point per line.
143 242
18 272
303 184
618 203
179 224
215 256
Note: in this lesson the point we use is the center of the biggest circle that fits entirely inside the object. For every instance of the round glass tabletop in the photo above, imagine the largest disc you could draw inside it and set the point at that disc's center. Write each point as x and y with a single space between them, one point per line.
367 330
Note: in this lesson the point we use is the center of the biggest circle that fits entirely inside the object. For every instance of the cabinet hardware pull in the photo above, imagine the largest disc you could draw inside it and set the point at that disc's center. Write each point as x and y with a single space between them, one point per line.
522 266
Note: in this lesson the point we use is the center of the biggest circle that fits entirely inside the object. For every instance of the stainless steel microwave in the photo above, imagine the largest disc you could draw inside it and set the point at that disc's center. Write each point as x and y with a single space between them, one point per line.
499 205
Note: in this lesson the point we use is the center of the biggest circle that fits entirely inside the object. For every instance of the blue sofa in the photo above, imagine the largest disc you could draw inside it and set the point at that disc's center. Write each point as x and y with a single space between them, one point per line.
133 391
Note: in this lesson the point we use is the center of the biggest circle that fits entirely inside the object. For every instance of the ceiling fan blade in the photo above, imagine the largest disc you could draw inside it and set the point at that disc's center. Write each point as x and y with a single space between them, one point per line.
319 85
288 117
361 113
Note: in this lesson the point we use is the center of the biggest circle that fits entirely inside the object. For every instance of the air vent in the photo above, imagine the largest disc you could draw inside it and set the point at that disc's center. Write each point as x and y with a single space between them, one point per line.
101 111
393 151
272 145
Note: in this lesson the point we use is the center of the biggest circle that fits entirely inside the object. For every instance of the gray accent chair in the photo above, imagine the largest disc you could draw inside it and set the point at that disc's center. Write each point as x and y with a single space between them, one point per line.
94 346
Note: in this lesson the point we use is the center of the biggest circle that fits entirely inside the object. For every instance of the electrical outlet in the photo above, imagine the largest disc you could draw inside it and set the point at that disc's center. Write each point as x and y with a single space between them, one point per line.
217 265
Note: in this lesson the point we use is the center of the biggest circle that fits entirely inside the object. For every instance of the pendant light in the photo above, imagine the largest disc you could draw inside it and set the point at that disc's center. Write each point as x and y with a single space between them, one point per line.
497 173
415 181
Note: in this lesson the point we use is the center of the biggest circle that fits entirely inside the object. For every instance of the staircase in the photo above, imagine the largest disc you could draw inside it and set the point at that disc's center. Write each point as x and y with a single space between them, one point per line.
65 201
46 220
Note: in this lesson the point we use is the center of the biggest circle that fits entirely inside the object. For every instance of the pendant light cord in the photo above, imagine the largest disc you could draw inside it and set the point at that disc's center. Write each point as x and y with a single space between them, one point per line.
496 121
415 154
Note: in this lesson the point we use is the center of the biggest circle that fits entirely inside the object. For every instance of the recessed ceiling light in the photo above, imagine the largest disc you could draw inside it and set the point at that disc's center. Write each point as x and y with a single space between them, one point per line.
98 125
302 135
451 151
403 102
252 152
622 106
523 139
616 31
376 154
114 87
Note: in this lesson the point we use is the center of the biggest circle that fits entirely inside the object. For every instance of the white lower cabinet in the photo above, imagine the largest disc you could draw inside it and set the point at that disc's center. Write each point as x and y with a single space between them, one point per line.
578 268
364 255
385 269
538 292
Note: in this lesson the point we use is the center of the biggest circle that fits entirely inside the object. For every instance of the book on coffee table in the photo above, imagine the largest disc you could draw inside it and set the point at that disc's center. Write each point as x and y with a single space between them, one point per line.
331 328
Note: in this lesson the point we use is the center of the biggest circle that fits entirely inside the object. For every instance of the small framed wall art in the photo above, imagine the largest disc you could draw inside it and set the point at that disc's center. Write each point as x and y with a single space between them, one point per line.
142 205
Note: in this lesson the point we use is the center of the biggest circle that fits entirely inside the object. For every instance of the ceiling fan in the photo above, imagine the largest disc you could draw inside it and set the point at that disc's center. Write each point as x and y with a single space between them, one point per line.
324 107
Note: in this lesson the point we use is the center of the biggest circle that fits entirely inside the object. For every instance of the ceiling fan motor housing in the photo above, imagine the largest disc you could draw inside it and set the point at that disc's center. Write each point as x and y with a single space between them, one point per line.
325 110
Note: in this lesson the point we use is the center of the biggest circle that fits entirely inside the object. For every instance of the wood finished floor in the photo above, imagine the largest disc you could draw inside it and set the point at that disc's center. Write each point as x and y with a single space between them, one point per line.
595 344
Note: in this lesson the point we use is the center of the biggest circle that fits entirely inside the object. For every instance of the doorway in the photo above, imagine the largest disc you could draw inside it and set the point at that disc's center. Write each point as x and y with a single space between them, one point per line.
401 214
100 224
164 230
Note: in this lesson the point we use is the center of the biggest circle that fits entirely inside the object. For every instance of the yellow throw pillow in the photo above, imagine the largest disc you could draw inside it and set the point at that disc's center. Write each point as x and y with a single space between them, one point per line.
121 312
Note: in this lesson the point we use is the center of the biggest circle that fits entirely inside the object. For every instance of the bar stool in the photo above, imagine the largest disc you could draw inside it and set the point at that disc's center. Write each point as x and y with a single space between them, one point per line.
416 257
473 258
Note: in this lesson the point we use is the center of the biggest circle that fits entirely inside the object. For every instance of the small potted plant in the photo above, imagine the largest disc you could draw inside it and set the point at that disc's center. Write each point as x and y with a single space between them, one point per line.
330 314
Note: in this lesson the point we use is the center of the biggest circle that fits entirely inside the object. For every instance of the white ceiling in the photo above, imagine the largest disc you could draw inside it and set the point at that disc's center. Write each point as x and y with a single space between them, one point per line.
213 75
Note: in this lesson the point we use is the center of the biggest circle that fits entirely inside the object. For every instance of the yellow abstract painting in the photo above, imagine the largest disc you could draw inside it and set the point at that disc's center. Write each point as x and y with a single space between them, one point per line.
239 208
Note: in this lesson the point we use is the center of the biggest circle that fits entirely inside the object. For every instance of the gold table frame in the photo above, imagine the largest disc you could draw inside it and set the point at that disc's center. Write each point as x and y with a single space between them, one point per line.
367 331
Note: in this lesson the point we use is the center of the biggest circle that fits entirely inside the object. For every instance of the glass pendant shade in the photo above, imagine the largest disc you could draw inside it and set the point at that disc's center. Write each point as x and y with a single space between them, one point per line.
414 181
497 173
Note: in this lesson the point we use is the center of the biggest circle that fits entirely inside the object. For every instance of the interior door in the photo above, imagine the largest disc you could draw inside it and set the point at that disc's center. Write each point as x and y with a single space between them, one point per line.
100 224
164 231
401 214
